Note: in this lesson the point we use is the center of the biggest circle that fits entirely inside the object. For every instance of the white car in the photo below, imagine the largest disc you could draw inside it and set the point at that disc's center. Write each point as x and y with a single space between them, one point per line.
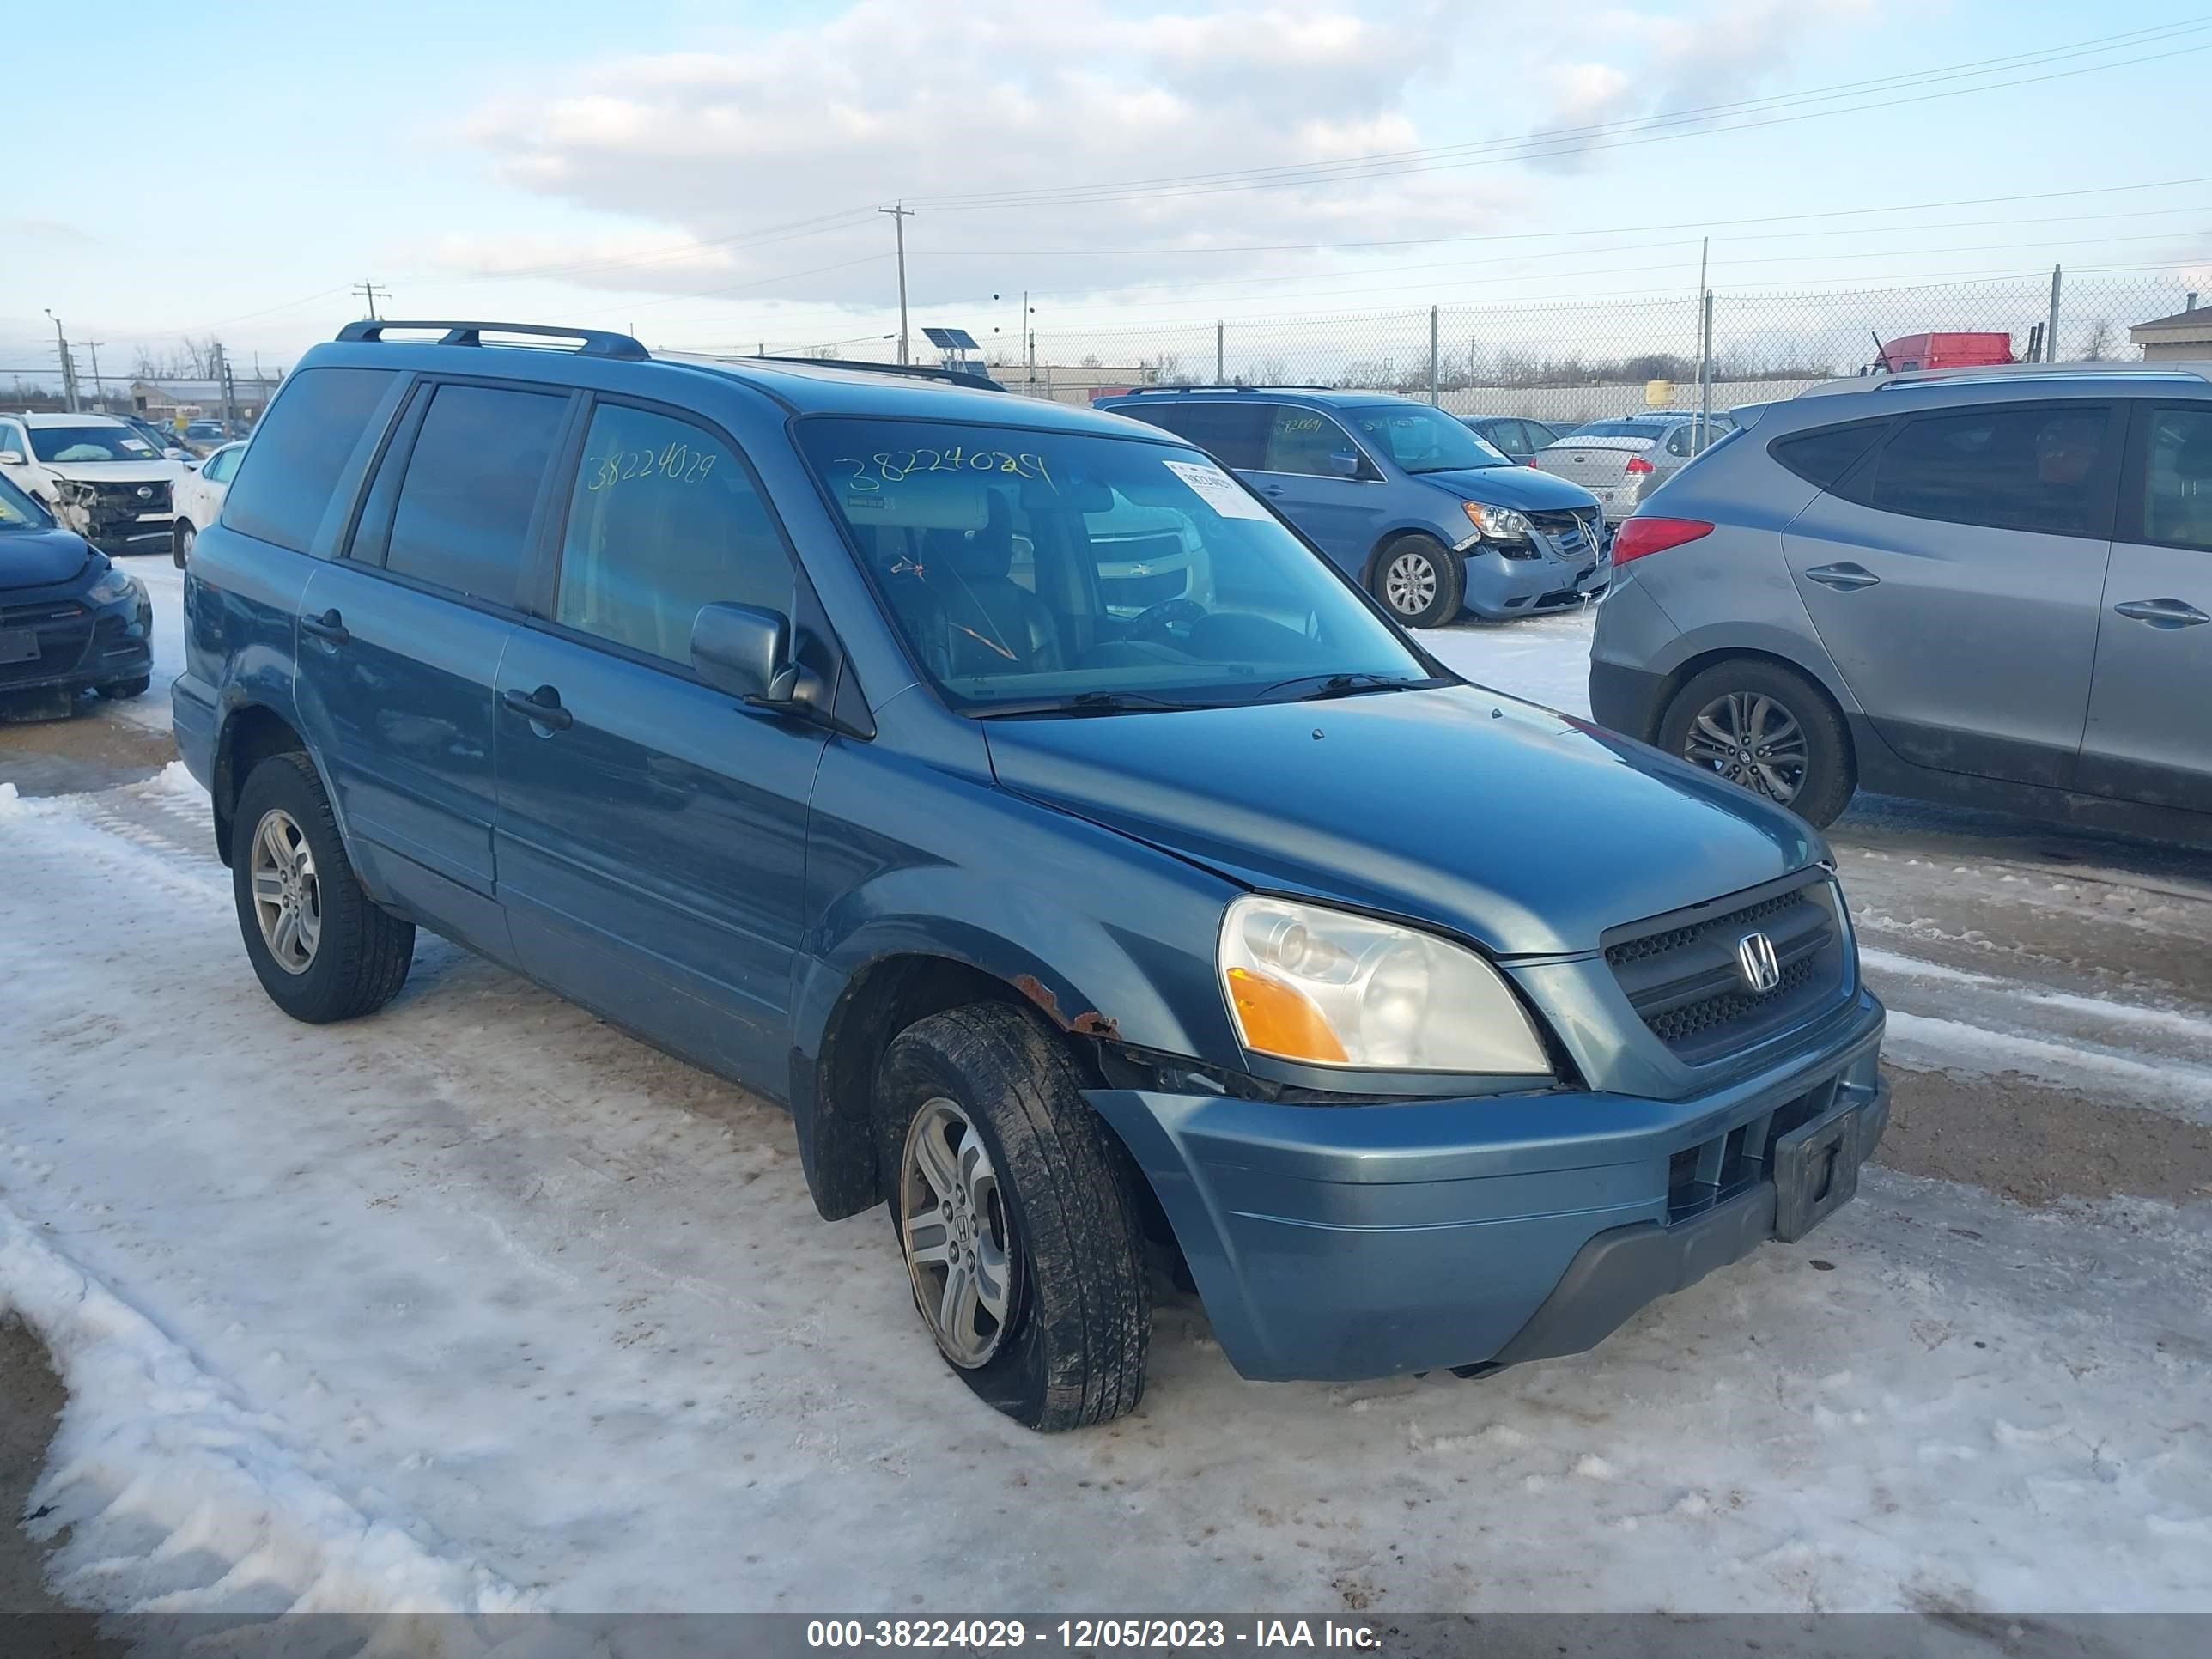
199 498
95 475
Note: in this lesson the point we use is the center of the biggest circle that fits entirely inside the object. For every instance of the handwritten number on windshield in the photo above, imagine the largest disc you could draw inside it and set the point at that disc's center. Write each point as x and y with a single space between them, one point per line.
897 465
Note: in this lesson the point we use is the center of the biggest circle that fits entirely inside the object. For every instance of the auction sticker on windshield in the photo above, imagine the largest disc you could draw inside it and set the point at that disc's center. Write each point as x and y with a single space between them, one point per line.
1216 489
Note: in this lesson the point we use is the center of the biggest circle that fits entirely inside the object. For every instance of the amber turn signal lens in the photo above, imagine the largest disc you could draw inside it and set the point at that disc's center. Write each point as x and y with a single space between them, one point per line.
1278 1020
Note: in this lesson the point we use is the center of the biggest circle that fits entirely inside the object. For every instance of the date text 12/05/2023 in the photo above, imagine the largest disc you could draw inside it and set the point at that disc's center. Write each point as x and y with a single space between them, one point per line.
1091 1635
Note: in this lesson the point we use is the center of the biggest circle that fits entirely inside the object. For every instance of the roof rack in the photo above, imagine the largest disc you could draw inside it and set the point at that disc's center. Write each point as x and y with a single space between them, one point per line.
1969 374
1166 391
916 371
592 342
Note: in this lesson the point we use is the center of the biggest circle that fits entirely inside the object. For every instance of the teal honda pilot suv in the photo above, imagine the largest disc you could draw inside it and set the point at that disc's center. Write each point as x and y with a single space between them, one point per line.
784 713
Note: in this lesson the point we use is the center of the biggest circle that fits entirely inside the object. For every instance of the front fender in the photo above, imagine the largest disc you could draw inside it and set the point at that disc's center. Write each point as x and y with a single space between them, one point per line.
1105 937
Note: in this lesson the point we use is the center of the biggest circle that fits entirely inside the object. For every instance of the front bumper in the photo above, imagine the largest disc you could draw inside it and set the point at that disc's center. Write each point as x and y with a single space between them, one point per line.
1337 1242
75 643
1497 586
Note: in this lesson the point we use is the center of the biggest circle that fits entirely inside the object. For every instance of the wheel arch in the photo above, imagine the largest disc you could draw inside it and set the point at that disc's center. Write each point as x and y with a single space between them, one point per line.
251 733
1688 670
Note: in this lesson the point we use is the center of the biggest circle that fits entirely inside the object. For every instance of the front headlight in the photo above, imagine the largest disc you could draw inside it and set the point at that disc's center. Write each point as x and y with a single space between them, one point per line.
1499 523
1328 989
112 585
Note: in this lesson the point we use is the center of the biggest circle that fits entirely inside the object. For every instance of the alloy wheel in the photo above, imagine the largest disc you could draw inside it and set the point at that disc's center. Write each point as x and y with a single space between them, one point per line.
956 1234
1410 584
288 898
1750 739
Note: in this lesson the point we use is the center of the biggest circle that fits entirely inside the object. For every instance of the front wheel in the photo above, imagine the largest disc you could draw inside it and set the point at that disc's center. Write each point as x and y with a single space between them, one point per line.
1421 581
1016 1218
180 544
118 689
1767 729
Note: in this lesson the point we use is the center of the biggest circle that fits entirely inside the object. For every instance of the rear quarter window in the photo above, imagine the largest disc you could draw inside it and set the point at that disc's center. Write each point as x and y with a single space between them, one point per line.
1823 456
302 449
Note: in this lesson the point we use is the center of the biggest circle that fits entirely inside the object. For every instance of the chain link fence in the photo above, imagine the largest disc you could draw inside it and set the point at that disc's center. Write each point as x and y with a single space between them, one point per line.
1575 361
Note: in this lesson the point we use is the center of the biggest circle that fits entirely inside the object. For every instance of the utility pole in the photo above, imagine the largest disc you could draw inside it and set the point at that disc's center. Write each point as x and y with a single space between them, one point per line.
900 214
222 381
1705 329
2050 332
69 368
91 350
368 291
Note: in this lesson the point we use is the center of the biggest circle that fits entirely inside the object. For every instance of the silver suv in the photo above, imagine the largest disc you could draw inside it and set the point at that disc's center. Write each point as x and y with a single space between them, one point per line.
1980 585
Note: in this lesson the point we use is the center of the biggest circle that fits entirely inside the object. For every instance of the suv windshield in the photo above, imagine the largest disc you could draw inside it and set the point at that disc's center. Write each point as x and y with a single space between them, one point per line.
1422 439
19 511
1045 572
68 444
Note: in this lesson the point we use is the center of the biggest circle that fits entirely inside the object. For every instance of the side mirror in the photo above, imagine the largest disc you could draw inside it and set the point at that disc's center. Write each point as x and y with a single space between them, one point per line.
11 457
746 652
1347 464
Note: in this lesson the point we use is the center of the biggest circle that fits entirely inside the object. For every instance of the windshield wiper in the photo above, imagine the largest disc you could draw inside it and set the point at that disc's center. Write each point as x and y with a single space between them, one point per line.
1318 687
1091 702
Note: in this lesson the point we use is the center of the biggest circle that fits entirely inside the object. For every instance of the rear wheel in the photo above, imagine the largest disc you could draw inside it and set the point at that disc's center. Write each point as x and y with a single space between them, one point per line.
1016 1216
1767 729
322 949
1421 581
180 544
120 688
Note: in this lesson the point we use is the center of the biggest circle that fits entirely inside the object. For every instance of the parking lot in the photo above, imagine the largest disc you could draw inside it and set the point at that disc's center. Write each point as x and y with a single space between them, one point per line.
324 1297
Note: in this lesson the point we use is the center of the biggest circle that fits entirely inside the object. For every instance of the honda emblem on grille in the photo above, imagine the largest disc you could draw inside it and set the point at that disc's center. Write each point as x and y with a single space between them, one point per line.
1758 965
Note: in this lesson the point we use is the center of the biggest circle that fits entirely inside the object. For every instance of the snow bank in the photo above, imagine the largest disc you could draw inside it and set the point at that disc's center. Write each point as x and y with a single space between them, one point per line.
165 1476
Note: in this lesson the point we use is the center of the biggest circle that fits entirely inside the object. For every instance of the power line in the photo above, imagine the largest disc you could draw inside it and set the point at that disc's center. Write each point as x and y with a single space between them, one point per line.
1561 142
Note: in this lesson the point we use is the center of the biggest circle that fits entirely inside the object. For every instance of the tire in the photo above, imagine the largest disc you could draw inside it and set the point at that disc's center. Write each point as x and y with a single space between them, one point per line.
123 689
1060 1213
1422 602
359 953
181 538
1810 771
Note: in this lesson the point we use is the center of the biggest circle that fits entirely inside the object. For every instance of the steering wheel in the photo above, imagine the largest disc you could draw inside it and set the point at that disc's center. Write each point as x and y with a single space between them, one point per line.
1157 619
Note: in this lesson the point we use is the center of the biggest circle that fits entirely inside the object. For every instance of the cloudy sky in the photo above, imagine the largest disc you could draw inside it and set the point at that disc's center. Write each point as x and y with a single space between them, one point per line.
711 174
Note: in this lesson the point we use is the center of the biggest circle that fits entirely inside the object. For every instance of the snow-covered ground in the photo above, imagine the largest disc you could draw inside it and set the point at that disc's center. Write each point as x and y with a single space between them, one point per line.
478 1304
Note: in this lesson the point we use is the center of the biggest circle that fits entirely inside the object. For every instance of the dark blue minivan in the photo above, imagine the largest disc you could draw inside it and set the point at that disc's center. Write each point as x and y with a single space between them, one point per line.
1411 504
813 723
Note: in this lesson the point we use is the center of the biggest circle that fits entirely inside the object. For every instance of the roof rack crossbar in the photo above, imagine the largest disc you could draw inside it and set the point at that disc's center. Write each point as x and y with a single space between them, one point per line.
1997 373
917 371
1163 391
592 342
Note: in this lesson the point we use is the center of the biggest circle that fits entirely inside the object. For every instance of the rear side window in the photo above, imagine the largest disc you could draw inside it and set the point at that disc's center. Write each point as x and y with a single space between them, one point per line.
662 519
2021 466
1234 433
1823 457
301 452
2178 478
472 482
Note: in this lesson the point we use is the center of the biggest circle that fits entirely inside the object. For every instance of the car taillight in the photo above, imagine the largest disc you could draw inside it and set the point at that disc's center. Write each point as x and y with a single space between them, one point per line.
1638 464
1638 535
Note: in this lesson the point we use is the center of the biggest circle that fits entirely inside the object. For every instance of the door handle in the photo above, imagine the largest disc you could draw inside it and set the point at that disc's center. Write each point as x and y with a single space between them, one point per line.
541 707
1273 489
1843 578
328 626
2162 613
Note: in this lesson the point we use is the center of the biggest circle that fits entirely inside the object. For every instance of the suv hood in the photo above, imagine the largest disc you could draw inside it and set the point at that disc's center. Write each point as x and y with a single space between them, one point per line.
1522 487
40 558
1490 818
117 471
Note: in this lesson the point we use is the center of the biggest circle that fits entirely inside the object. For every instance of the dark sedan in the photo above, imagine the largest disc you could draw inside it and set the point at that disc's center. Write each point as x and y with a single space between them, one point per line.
1519 438
69 618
